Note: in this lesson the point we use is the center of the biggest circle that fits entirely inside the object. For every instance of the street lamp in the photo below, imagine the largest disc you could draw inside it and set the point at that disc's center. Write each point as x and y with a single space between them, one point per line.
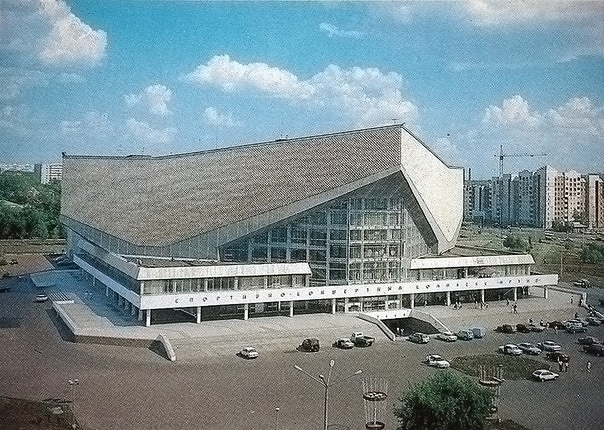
277 418
72 383
326 384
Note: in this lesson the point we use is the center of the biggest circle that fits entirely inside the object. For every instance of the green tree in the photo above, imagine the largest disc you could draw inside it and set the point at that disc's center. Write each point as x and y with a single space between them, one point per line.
444 401
516 243
592 253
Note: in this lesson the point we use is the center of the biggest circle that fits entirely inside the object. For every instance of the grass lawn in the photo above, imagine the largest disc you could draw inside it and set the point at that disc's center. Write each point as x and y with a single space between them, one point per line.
512 367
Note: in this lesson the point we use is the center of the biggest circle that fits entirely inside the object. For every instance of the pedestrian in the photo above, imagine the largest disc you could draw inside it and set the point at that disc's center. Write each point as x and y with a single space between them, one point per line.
560 365
515 308
589 366
566 366
571 300
507 302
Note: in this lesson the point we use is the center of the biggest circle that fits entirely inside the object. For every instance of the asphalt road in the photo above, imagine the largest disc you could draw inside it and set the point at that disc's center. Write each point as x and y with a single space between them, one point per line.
135 388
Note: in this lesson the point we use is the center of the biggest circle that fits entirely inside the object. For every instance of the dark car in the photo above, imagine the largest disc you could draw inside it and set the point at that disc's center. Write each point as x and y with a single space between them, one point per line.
596 349
310 345
557 325
506 328
558 356
588 340
522 328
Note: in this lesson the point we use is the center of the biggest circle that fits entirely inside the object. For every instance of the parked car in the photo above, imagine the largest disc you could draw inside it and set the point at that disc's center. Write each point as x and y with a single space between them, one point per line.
522 328
536 328
343 343
310 344
436 360
583 283
41 297
510 349
529 348
478 332
506 328
578 321
596 349
588 340
545 375
593 320
549 345
359 339
249 352
576 328
465 335
419 338
558 325
558 356
447 336
4 289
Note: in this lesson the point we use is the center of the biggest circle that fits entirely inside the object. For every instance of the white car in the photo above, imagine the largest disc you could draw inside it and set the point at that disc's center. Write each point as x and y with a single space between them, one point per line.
249 352
549 345
436 360
545 375
529 348
510 349
41 297
447 336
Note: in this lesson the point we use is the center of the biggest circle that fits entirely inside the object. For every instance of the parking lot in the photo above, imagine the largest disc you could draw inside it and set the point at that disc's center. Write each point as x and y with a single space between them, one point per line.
209 386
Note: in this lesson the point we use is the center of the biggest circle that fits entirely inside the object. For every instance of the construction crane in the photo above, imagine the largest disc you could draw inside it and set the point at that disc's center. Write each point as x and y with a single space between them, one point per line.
502 156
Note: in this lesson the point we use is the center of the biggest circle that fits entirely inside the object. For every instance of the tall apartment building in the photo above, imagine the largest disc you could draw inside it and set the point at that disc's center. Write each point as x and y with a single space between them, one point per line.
594 201
540 199
49 172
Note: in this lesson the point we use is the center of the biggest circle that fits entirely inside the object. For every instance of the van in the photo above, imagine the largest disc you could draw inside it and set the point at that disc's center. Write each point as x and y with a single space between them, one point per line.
478 332
465 335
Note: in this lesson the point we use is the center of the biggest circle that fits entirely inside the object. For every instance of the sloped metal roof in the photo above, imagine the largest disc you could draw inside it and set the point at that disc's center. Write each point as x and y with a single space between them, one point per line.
161 200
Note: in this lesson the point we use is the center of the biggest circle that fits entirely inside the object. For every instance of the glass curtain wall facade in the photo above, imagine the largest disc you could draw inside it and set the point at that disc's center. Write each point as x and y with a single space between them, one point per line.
366 237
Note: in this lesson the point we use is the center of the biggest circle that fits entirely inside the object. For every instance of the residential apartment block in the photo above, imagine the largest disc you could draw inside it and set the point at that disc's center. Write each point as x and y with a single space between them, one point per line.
540 199
49 172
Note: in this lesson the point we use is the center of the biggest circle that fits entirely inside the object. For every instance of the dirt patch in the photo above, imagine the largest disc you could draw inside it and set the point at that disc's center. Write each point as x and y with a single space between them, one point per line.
512 367
22 414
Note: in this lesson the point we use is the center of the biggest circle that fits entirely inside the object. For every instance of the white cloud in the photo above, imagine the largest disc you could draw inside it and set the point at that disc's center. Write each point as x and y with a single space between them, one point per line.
332 30
497 12
514 112
367 96
578 115
214 118
143 132
93 124
231 75
15 81
70 41
155 98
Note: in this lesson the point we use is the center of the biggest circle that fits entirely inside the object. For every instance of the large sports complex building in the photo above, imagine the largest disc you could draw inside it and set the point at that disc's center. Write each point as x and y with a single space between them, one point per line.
357 221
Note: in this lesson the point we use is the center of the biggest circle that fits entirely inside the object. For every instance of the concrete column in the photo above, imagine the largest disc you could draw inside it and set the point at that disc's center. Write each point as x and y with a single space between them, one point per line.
106 291
333 306
346 301
448 302
291 309
412 300
140 314
198 314
93 281
148 318
482 296
386 303
400 301
120 300
545 292
246 311
515 294
236 284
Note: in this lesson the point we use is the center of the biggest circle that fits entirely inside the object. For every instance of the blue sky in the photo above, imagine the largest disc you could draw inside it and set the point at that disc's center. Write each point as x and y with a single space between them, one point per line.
164 77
